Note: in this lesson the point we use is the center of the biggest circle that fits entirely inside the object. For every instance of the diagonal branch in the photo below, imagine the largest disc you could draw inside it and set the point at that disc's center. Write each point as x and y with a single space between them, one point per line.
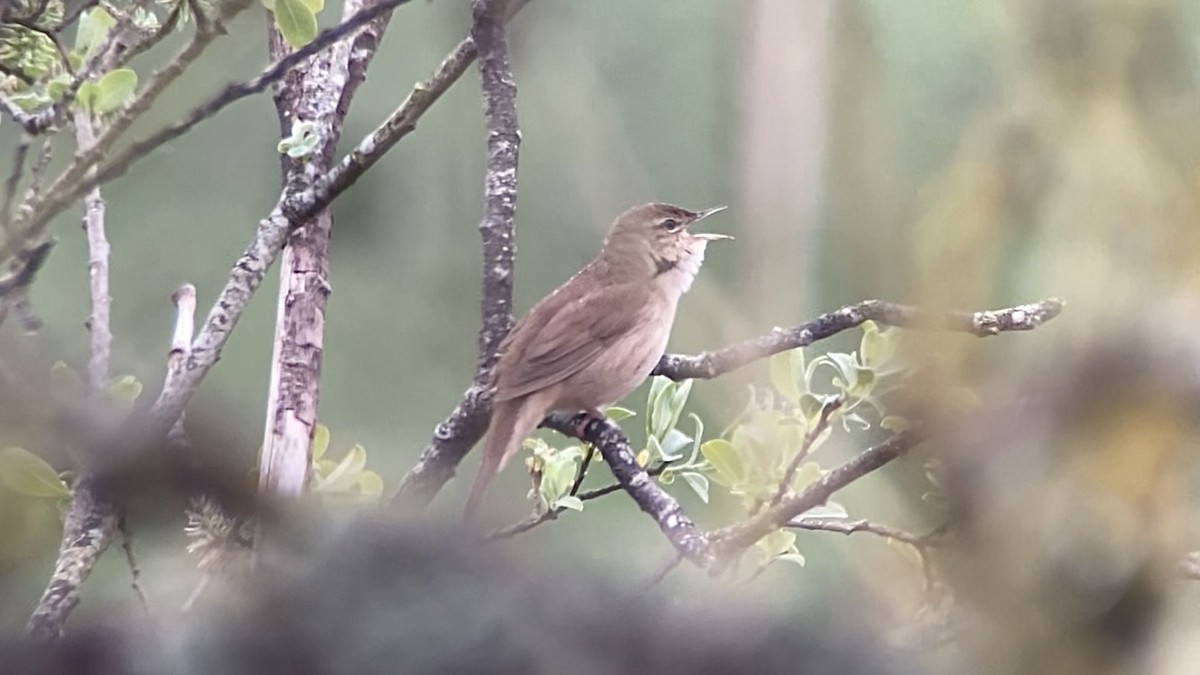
707 365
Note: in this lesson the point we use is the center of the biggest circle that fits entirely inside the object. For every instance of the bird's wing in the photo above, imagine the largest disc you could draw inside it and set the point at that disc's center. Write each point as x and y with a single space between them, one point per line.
560 336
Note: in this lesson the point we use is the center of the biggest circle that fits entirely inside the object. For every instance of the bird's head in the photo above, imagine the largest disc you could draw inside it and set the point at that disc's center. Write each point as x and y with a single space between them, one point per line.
654 240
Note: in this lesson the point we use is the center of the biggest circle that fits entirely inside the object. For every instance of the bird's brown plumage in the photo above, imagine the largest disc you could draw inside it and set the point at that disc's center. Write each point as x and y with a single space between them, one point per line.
592 341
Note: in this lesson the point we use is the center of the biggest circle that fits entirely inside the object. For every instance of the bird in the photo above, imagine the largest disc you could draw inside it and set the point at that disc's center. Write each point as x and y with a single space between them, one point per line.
592 341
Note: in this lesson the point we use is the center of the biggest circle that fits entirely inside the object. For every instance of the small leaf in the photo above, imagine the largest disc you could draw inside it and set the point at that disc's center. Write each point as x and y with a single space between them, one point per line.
26 473
725 460
320 442
807 474
643 458
315 5
894 423
674 442
569 502
93 30
877 347
781 376
792 558
698 483
666 477
855 418
114 90
86 95
678 400
370 484
617 413
811 407
864 379
65 383
346 473
696 437
296 22
125 390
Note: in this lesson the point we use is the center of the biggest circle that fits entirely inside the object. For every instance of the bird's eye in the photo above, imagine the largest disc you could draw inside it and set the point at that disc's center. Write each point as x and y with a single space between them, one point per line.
671 225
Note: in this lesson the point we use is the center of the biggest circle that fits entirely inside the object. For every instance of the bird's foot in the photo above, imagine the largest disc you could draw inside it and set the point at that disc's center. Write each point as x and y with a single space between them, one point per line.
583 419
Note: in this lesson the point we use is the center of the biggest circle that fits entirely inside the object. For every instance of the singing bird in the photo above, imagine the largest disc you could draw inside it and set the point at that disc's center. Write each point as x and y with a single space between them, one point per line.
591 342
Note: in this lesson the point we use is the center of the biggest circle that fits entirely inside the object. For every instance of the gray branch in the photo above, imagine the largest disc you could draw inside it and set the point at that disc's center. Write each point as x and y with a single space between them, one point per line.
455 436
707 365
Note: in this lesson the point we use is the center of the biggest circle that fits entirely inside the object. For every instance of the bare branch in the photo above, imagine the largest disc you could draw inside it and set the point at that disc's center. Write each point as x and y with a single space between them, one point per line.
456 435
981 324
87 531
135 572
98 322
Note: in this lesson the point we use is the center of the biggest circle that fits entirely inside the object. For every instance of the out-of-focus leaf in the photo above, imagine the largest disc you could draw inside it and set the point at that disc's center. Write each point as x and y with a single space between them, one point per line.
792 558
93 30
114 90
65 383
894 423
725 460
345 474
827 510
320 442
617 413
370 484
26 473
125 390
569 502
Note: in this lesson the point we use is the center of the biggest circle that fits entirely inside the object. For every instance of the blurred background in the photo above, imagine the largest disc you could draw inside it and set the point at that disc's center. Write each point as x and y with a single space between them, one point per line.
955 153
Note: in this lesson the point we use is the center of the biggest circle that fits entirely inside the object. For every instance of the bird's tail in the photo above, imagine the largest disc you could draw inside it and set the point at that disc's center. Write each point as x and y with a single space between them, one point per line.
511 424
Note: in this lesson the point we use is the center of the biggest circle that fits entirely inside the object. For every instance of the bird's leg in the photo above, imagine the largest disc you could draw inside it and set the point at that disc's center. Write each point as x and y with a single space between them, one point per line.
582 420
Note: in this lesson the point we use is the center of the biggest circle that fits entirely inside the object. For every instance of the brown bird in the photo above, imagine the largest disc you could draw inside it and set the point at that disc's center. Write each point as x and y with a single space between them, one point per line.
592 342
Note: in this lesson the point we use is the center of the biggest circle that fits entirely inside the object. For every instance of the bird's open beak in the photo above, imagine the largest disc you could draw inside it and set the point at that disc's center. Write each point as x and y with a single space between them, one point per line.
704 214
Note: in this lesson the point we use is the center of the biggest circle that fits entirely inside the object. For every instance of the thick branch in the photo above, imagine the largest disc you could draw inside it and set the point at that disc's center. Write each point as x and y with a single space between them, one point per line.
708 365
612 443
455 436
320 94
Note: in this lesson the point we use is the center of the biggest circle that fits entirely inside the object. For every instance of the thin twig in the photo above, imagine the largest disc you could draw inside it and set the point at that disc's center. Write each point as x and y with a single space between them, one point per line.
707 365
535 519
135 572
731 541
14 178
666 568
831 406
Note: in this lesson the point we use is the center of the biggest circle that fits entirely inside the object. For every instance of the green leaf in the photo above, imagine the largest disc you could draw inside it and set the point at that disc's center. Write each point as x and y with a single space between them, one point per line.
674 442
315 5
320 442
792 558
643 458
569 502
864 380
725 460
370 484
65 383
617 413
696 437
93 30
114 90
124 390
345 474
698 483
894 423
807 474
877 347
678 400
86 95
26 473
811 407
666 477
780 368
296 22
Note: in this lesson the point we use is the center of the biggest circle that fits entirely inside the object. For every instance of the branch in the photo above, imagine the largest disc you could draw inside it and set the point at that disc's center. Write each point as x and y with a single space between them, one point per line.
87 531
612 443
456 435
707 365
321 94
731 541
536 519
806 446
